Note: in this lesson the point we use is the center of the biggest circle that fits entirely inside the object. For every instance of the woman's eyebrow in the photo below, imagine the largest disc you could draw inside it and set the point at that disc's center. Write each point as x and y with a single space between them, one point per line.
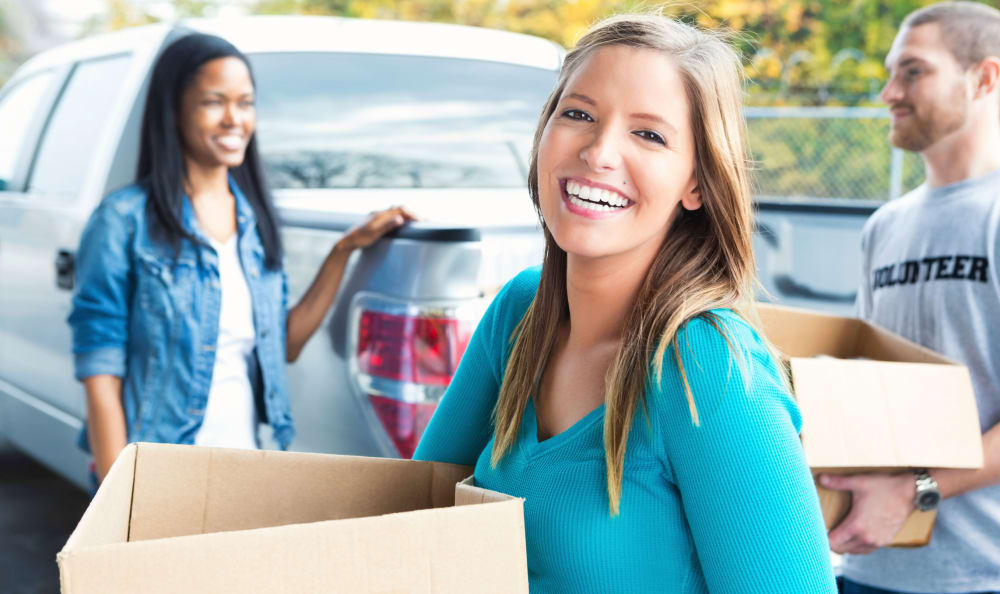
223 94
581 97
656 120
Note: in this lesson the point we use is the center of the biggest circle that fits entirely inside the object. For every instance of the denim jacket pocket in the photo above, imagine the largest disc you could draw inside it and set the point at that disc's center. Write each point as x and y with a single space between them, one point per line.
164 291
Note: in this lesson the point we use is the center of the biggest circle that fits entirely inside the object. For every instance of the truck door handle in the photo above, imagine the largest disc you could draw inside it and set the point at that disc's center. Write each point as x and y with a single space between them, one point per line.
65 269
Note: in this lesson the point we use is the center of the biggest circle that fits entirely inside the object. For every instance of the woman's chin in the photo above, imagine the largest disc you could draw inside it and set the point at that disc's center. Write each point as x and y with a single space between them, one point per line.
587 248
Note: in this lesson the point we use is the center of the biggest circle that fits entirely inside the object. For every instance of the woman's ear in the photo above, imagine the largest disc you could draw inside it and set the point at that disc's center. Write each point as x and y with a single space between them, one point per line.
692 196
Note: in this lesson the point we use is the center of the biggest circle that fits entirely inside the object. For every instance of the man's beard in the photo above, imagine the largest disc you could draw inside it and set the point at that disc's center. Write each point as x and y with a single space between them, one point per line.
920 130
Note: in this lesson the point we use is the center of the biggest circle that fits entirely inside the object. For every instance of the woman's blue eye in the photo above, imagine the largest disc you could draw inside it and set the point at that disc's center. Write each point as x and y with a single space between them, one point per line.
576 114
650 136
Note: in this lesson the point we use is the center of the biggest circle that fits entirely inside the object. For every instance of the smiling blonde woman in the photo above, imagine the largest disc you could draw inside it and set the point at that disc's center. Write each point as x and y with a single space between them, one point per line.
622 389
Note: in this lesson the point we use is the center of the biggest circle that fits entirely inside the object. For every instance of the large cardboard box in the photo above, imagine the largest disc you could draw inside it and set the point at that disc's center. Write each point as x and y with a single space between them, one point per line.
874 401
186 519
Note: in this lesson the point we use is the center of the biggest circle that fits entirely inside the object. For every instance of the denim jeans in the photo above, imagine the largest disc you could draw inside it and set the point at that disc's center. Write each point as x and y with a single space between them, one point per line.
846 586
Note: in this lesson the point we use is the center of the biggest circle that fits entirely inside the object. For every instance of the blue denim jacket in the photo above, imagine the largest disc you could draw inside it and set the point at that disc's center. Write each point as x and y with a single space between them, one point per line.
152 319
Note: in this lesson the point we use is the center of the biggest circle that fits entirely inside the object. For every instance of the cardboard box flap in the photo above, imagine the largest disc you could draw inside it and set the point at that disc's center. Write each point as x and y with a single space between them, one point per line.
184 490
882 414
467 493
107 518
467 549
443 481
881 345
801 333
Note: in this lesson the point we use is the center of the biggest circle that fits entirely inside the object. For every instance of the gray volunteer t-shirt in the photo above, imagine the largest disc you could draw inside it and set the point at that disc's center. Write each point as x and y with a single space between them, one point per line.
931 273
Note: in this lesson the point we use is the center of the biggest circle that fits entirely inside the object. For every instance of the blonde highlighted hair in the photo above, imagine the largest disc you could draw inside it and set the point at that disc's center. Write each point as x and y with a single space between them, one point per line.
706 260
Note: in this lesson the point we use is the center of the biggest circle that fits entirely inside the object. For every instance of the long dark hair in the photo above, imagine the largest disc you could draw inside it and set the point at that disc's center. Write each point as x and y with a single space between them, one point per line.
161 161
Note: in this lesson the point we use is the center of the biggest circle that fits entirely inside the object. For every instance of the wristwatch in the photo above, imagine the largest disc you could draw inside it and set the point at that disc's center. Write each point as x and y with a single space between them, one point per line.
928 496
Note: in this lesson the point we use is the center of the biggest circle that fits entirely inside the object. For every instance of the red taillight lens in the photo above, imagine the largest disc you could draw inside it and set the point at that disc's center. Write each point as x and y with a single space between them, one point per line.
403 421
404 361
411 349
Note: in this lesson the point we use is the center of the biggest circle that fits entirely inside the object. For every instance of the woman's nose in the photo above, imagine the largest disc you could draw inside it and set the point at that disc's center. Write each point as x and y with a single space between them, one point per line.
602 153
231 115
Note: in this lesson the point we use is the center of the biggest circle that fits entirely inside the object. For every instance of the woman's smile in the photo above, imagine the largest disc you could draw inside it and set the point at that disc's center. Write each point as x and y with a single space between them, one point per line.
231 142
591 199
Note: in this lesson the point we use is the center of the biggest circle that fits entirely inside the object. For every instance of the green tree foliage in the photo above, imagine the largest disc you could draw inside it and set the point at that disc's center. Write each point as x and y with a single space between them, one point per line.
797 52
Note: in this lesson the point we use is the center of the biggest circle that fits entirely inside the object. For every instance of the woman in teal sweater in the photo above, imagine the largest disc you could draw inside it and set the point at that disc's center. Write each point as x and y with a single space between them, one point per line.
622 389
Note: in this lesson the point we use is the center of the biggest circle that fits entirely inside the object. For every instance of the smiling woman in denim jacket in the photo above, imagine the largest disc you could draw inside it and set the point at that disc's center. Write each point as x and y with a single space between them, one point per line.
180 326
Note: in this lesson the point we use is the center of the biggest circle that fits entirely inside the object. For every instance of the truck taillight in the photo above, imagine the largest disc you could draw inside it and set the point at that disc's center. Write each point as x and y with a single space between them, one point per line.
404 356
420 350
404 422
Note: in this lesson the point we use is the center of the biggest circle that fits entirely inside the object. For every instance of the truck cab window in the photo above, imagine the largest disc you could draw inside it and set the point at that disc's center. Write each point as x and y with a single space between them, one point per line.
17 111
341 120
79 120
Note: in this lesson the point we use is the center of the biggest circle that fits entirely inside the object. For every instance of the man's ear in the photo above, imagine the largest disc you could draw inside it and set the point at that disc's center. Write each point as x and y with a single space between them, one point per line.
988 76
692 196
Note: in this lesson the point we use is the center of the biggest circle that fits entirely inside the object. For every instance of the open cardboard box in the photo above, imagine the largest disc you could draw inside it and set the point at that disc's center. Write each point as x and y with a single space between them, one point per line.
187 519
882 403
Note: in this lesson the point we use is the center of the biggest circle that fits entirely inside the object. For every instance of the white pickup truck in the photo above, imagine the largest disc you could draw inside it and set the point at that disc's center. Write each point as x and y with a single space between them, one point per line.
353 116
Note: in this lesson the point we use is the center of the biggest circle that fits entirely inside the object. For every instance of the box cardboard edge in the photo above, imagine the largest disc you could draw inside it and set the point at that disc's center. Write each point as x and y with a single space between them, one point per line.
121 478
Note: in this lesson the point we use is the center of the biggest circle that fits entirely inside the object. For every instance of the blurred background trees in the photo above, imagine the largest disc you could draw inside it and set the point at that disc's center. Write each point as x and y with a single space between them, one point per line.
797 52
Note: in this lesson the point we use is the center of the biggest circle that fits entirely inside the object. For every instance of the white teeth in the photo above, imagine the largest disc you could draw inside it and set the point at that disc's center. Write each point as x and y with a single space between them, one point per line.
231 142
611 200
590 205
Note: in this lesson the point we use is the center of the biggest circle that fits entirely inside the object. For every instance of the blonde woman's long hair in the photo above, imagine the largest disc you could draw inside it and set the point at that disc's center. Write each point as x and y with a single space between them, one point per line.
706 260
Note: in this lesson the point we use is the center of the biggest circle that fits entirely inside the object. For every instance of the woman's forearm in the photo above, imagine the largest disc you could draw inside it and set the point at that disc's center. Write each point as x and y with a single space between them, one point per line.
305 317
105 420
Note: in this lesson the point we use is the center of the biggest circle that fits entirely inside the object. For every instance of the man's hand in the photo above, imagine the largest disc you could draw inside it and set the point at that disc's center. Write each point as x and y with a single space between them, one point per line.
880 505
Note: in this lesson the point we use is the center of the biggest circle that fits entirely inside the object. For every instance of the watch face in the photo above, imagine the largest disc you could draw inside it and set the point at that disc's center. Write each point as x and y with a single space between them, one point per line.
929 500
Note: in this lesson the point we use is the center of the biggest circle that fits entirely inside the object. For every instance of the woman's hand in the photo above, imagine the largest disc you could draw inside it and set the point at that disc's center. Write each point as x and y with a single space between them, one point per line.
378 224
305 317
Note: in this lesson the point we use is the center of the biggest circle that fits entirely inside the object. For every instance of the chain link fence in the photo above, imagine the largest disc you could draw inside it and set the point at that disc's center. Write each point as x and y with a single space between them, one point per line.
839 153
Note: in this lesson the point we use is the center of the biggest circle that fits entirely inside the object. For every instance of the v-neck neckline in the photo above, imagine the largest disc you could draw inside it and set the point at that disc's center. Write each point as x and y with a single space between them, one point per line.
529 429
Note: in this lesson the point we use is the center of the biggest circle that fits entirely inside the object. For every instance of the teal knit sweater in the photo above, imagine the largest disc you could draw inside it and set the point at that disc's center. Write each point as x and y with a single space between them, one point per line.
727 506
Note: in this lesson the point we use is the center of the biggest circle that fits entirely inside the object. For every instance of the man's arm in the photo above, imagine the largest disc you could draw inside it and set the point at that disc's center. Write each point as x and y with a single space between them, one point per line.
952 481
881 503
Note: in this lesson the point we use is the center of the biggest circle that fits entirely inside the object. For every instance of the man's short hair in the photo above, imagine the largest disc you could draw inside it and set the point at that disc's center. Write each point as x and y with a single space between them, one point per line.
969 29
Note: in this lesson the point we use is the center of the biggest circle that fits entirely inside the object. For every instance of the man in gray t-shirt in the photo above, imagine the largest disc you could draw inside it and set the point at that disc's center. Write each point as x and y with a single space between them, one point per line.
931 272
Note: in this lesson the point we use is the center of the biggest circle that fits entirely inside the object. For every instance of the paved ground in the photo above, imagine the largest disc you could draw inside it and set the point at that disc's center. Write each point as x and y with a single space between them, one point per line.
38 510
